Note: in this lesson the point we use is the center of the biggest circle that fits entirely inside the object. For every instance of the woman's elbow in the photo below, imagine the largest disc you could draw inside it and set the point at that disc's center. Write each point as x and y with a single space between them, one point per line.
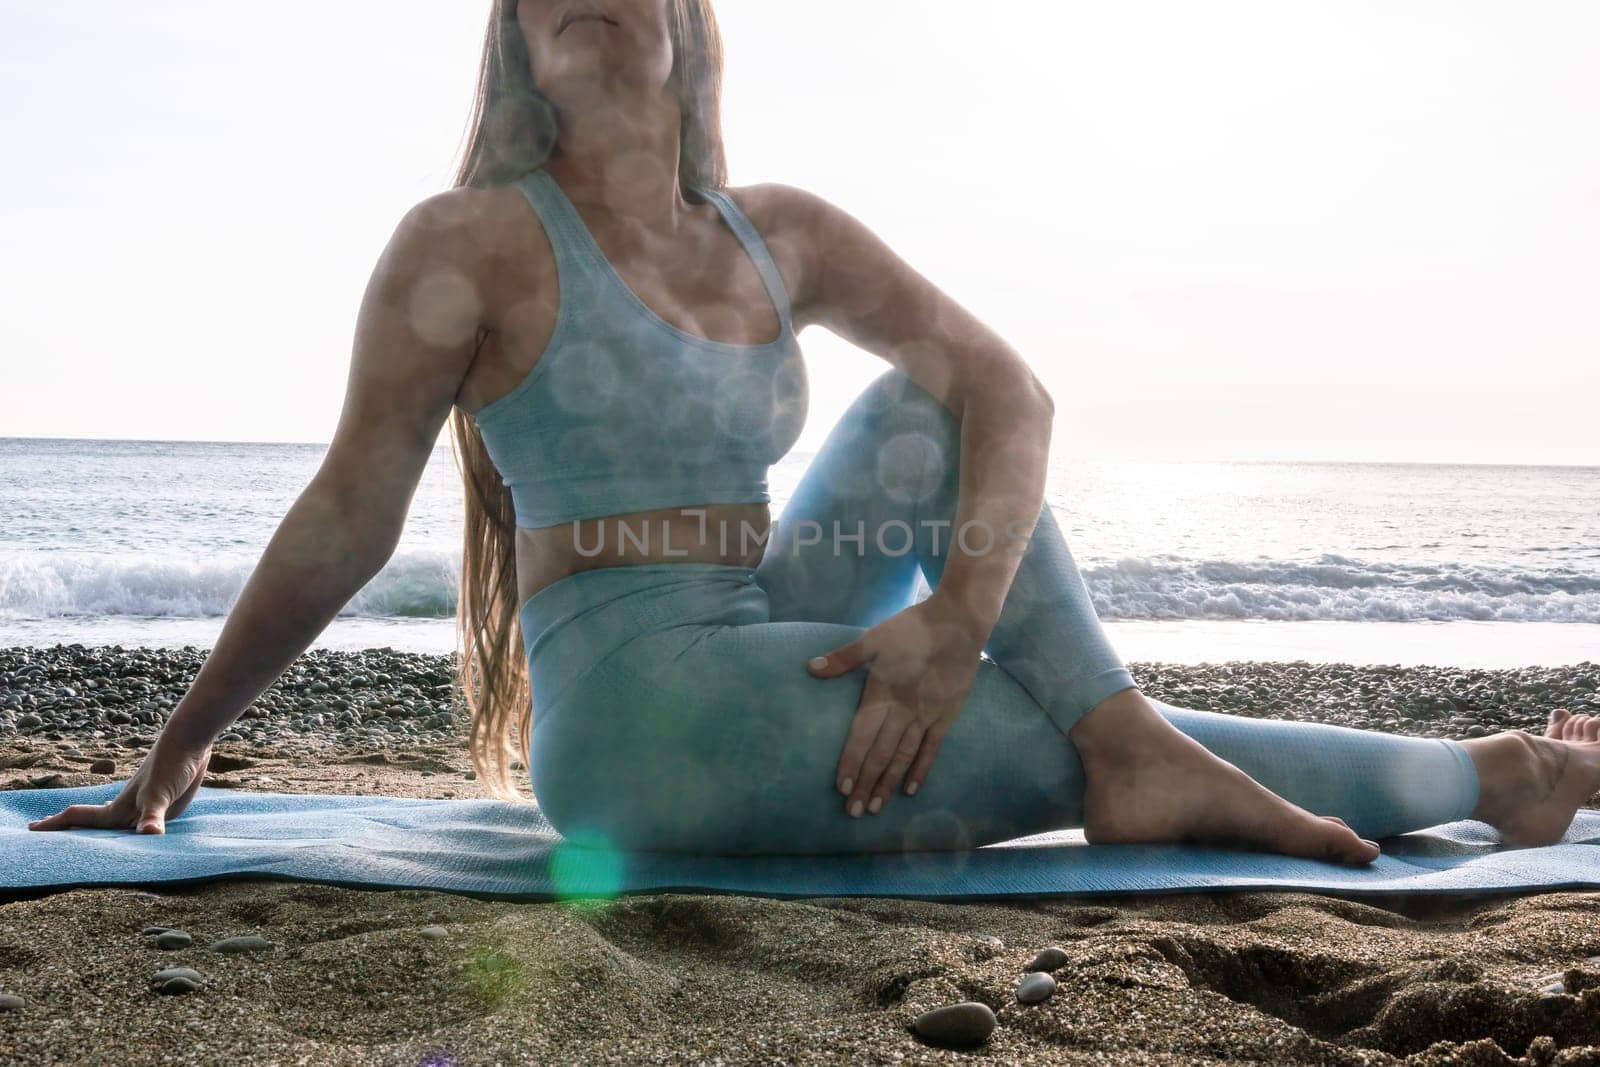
1047 403
1029 394
361 529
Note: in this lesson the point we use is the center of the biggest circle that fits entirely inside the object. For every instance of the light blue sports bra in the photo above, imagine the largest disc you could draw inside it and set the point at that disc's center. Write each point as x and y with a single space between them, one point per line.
624 411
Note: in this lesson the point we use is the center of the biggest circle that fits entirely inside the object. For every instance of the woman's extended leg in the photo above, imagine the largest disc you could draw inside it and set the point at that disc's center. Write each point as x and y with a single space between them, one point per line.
877 504
677 713
681 718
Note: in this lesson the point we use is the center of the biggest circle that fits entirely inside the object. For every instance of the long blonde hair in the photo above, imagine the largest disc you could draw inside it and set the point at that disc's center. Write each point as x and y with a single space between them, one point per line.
512 130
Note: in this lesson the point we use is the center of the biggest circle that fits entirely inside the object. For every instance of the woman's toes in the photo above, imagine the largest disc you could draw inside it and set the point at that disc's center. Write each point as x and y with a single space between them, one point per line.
1325 837
1345 845
1558 722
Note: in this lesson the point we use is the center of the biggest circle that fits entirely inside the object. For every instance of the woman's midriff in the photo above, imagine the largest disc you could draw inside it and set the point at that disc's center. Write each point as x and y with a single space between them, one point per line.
731 534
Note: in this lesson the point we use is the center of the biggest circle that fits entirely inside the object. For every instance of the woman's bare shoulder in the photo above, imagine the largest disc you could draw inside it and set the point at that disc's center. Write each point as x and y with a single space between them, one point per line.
461 222
778 208
810 237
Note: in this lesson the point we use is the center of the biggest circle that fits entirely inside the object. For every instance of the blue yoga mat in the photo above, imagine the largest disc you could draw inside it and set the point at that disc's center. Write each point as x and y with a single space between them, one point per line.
501 849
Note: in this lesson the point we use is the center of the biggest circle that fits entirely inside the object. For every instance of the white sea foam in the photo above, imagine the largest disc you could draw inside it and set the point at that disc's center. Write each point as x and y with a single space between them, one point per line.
1338 588
423 584
35 585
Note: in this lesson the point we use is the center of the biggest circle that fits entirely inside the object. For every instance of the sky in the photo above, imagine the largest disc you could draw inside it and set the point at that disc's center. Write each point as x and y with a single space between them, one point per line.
1267 230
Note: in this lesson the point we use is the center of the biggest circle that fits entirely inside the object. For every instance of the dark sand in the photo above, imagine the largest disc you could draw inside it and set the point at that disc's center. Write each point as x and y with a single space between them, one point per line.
706 979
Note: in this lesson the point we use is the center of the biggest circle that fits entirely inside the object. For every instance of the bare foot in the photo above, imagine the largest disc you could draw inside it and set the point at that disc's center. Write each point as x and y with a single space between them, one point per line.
1147 782
1569 727
1529 788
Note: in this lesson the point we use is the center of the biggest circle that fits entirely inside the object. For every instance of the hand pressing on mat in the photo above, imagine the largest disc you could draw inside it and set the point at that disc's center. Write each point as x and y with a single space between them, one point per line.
159 790
921 665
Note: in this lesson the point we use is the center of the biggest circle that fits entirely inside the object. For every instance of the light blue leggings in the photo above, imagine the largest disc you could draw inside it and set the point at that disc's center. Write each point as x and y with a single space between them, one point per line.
674 711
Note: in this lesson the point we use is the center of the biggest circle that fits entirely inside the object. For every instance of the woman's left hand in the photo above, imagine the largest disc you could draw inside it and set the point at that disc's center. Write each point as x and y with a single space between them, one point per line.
921 664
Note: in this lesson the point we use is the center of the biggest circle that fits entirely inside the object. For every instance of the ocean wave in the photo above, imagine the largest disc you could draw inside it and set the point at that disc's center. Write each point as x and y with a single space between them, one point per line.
423 584
1333 587
414 584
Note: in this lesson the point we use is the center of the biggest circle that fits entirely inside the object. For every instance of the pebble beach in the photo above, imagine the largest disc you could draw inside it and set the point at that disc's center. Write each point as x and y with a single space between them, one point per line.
259 972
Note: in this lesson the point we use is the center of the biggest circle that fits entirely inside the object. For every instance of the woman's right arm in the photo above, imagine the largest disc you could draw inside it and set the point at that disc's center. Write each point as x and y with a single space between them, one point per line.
416 335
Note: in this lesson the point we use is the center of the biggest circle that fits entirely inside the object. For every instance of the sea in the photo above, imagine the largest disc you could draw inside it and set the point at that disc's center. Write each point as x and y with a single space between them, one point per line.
148 543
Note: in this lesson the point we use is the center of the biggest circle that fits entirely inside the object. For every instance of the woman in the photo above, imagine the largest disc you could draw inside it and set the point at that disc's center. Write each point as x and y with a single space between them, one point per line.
612 334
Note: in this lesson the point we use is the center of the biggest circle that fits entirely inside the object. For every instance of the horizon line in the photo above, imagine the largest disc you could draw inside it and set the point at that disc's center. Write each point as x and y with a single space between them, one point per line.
1090 454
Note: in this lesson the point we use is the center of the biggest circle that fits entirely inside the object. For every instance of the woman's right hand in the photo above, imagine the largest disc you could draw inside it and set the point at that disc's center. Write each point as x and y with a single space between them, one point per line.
159 790
922 664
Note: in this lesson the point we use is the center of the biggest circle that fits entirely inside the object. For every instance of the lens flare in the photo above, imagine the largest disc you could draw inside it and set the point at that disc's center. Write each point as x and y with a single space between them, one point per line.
586 864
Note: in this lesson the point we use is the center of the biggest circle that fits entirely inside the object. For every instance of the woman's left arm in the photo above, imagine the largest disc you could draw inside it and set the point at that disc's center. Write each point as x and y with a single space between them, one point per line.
926 658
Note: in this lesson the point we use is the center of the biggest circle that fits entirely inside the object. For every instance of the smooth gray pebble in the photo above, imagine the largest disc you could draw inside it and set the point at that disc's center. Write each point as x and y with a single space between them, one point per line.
241 943
12 1002
434 933
179 984
969 1022
1035 986
1049 959
173 939
177 972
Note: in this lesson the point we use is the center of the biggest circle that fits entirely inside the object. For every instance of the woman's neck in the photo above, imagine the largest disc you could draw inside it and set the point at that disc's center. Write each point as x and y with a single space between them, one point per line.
623 161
